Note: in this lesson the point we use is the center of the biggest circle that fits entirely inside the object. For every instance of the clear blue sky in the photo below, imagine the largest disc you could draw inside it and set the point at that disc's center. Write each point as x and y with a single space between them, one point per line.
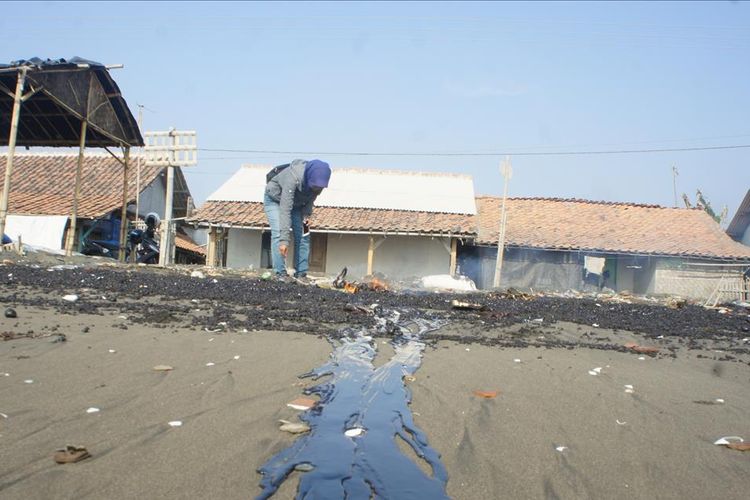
432 77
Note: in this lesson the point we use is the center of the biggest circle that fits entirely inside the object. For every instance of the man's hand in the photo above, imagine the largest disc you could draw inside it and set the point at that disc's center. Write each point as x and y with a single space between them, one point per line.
283 250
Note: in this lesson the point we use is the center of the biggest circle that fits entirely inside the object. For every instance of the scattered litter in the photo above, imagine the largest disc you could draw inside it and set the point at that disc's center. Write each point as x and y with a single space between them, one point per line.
457 304
210 363
357 308
236 357
354 432
70 298
163 368
641 349
28 381
122 317
266 276
410 378
629 389
209 330
561 448
304 467
598 305
62 267
3 415
71 454
197 274
595 371
92 410
294 428
10 313
620 423
595 325
215 280
642 358
302 404
676 303
734 443
175 423
485 394
538 320
517 360
467 349
718 401
5 374
448 282
660 337
112 351
211 339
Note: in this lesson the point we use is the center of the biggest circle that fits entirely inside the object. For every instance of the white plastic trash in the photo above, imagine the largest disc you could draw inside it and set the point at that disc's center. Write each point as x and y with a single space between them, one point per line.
92 410
175 423
354 432
728 440
71 297
447 282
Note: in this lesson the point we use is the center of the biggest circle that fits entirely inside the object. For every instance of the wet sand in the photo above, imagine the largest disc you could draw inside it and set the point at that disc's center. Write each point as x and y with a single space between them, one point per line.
504 447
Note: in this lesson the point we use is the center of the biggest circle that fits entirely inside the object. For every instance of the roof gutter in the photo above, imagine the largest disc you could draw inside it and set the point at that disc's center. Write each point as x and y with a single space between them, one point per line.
333 231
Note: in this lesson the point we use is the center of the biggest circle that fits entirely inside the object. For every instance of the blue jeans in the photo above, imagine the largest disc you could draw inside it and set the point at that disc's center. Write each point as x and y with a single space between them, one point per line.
301 243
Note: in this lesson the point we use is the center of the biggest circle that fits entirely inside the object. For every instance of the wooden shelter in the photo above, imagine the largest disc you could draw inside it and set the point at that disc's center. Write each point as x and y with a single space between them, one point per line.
64 103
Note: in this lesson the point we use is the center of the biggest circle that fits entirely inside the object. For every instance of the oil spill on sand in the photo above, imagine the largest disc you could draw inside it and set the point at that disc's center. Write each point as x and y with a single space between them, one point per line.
351 451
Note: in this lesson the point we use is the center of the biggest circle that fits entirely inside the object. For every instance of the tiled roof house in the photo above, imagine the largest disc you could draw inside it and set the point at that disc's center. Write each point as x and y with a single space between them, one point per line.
43 184
406 223
399 223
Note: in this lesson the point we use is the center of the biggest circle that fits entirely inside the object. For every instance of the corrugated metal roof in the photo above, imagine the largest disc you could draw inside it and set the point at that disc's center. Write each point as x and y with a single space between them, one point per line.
364 188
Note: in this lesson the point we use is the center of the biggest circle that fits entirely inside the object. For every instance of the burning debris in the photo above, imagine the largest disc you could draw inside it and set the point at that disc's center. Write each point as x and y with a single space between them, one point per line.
372 283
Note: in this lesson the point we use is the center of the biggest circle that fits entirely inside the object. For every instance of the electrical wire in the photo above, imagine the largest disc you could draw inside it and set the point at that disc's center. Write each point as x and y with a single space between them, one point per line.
496 153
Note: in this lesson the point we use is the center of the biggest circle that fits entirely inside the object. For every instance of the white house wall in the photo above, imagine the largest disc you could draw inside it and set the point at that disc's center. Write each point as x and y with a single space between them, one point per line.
398 257
243 248
153 198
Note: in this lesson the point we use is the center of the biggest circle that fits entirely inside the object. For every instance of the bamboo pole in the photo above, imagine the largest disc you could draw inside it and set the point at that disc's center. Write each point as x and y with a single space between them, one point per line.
11 147
74 212
124 212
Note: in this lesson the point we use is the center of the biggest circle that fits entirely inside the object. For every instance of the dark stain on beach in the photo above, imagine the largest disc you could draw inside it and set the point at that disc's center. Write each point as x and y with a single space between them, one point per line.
351 450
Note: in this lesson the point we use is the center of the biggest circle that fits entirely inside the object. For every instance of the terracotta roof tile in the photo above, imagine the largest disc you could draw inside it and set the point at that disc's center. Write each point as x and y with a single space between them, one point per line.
184 242
610 227
44 184
343 219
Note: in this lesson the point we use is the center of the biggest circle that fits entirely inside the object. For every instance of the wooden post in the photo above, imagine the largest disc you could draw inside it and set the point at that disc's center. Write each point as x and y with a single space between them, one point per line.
507 172
454 249
124 212
11 147
74 213
370 255
165 249
211 251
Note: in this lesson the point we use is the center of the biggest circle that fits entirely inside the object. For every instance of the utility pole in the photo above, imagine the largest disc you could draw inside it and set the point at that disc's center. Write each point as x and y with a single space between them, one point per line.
674 183
507 172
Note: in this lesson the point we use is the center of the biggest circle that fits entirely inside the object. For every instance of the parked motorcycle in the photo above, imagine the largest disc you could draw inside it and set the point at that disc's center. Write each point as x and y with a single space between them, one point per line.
143 242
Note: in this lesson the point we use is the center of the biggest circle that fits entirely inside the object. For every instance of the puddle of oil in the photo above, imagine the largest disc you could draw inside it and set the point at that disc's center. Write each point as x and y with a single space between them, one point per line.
368 463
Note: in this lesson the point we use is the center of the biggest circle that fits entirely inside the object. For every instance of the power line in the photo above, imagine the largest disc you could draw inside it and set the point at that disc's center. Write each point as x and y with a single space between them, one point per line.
497 153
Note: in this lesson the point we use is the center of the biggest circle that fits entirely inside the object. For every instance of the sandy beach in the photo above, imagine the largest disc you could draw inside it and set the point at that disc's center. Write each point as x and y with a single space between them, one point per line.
572 417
